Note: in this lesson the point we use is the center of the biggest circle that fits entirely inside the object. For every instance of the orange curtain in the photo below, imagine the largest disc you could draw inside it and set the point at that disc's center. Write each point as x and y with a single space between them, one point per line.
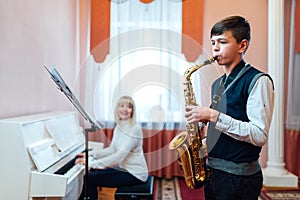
297 26
291 151
192 28
146 1
161 161
100 29
104 136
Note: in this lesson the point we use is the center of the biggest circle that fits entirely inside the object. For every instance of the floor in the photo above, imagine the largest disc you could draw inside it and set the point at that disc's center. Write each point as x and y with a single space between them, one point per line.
106 193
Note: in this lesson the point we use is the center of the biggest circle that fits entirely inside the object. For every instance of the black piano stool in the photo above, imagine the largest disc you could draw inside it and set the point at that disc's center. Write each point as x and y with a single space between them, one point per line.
136 192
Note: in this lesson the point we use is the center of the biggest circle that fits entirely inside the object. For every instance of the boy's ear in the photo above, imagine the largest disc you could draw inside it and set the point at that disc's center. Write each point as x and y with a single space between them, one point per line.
244 46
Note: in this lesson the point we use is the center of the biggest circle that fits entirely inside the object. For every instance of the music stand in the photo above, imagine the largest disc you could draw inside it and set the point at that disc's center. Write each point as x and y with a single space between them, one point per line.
63 87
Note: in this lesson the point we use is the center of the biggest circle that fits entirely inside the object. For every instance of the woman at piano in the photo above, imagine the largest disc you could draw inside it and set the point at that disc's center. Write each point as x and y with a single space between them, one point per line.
123 162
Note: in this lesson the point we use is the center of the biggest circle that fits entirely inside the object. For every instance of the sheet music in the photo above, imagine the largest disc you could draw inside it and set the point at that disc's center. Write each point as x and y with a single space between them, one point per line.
42 154
63 133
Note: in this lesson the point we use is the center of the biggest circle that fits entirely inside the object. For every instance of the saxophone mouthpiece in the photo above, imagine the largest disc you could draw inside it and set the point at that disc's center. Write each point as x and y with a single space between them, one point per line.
210 60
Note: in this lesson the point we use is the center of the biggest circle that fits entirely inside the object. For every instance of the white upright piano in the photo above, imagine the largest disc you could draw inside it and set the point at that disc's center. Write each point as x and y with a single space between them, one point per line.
37 157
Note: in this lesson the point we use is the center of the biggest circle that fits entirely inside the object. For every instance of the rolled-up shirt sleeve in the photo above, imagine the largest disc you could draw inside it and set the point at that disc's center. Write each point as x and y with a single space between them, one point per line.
260 107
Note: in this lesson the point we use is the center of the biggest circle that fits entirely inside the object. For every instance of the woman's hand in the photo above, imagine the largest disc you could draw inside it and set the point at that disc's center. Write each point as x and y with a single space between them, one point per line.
80 159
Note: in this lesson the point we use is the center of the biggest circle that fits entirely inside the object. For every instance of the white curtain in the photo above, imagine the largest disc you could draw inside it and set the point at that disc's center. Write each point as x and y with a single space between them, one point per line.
146 63
293 99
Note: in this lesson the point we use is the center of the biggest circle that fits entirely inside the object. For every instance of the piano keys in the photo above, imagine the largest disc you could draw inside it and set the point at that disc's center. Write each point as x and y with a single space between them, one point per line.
38 154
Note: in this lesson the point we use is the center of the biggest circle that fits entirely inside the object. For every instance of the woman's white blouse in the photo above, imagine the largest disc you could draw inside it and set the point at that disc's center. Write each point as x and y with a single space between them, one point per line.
125 151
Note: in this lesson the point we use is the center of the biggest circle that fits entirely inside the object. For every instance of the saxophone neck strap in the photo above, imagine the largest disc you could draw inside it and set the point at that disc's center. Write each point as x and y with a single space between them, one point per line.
217 97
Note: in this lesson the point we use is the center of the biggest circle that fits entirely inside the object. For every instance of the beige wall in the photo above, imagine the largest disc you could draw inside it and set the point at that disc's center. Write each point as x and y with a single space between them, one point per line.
36 33
45 32
256 11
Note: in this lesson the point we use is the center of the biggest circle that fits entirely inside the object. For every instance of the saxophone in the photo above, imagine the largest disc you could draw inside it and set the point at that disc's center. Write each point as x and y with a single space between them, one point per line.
191 152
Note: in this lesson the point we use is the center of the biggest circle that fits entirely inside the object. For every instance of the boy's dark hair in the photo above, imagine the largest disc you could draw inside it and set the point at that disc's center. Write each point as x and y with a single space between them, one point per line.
238 25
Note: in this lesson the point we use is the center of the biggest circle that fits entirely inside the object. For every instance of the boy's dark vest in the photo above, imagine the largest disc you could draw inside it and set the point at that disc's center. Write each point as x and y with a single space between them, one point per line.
233 103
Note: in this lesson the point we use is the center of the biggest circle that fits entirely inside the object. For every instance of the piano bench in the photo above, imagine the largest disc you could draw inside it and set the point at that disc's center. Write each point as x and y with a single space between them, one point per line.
136 192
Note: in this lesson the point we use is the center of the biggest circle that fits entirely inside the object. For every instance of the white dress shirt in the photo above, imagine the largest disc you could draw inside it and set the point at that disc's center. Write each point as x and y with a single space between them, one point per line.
260 107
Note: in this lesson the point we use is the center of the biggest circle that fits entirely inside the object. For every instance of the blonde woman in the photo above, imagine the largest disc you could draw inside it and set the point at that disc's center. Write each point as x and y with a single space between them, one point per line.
123 162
